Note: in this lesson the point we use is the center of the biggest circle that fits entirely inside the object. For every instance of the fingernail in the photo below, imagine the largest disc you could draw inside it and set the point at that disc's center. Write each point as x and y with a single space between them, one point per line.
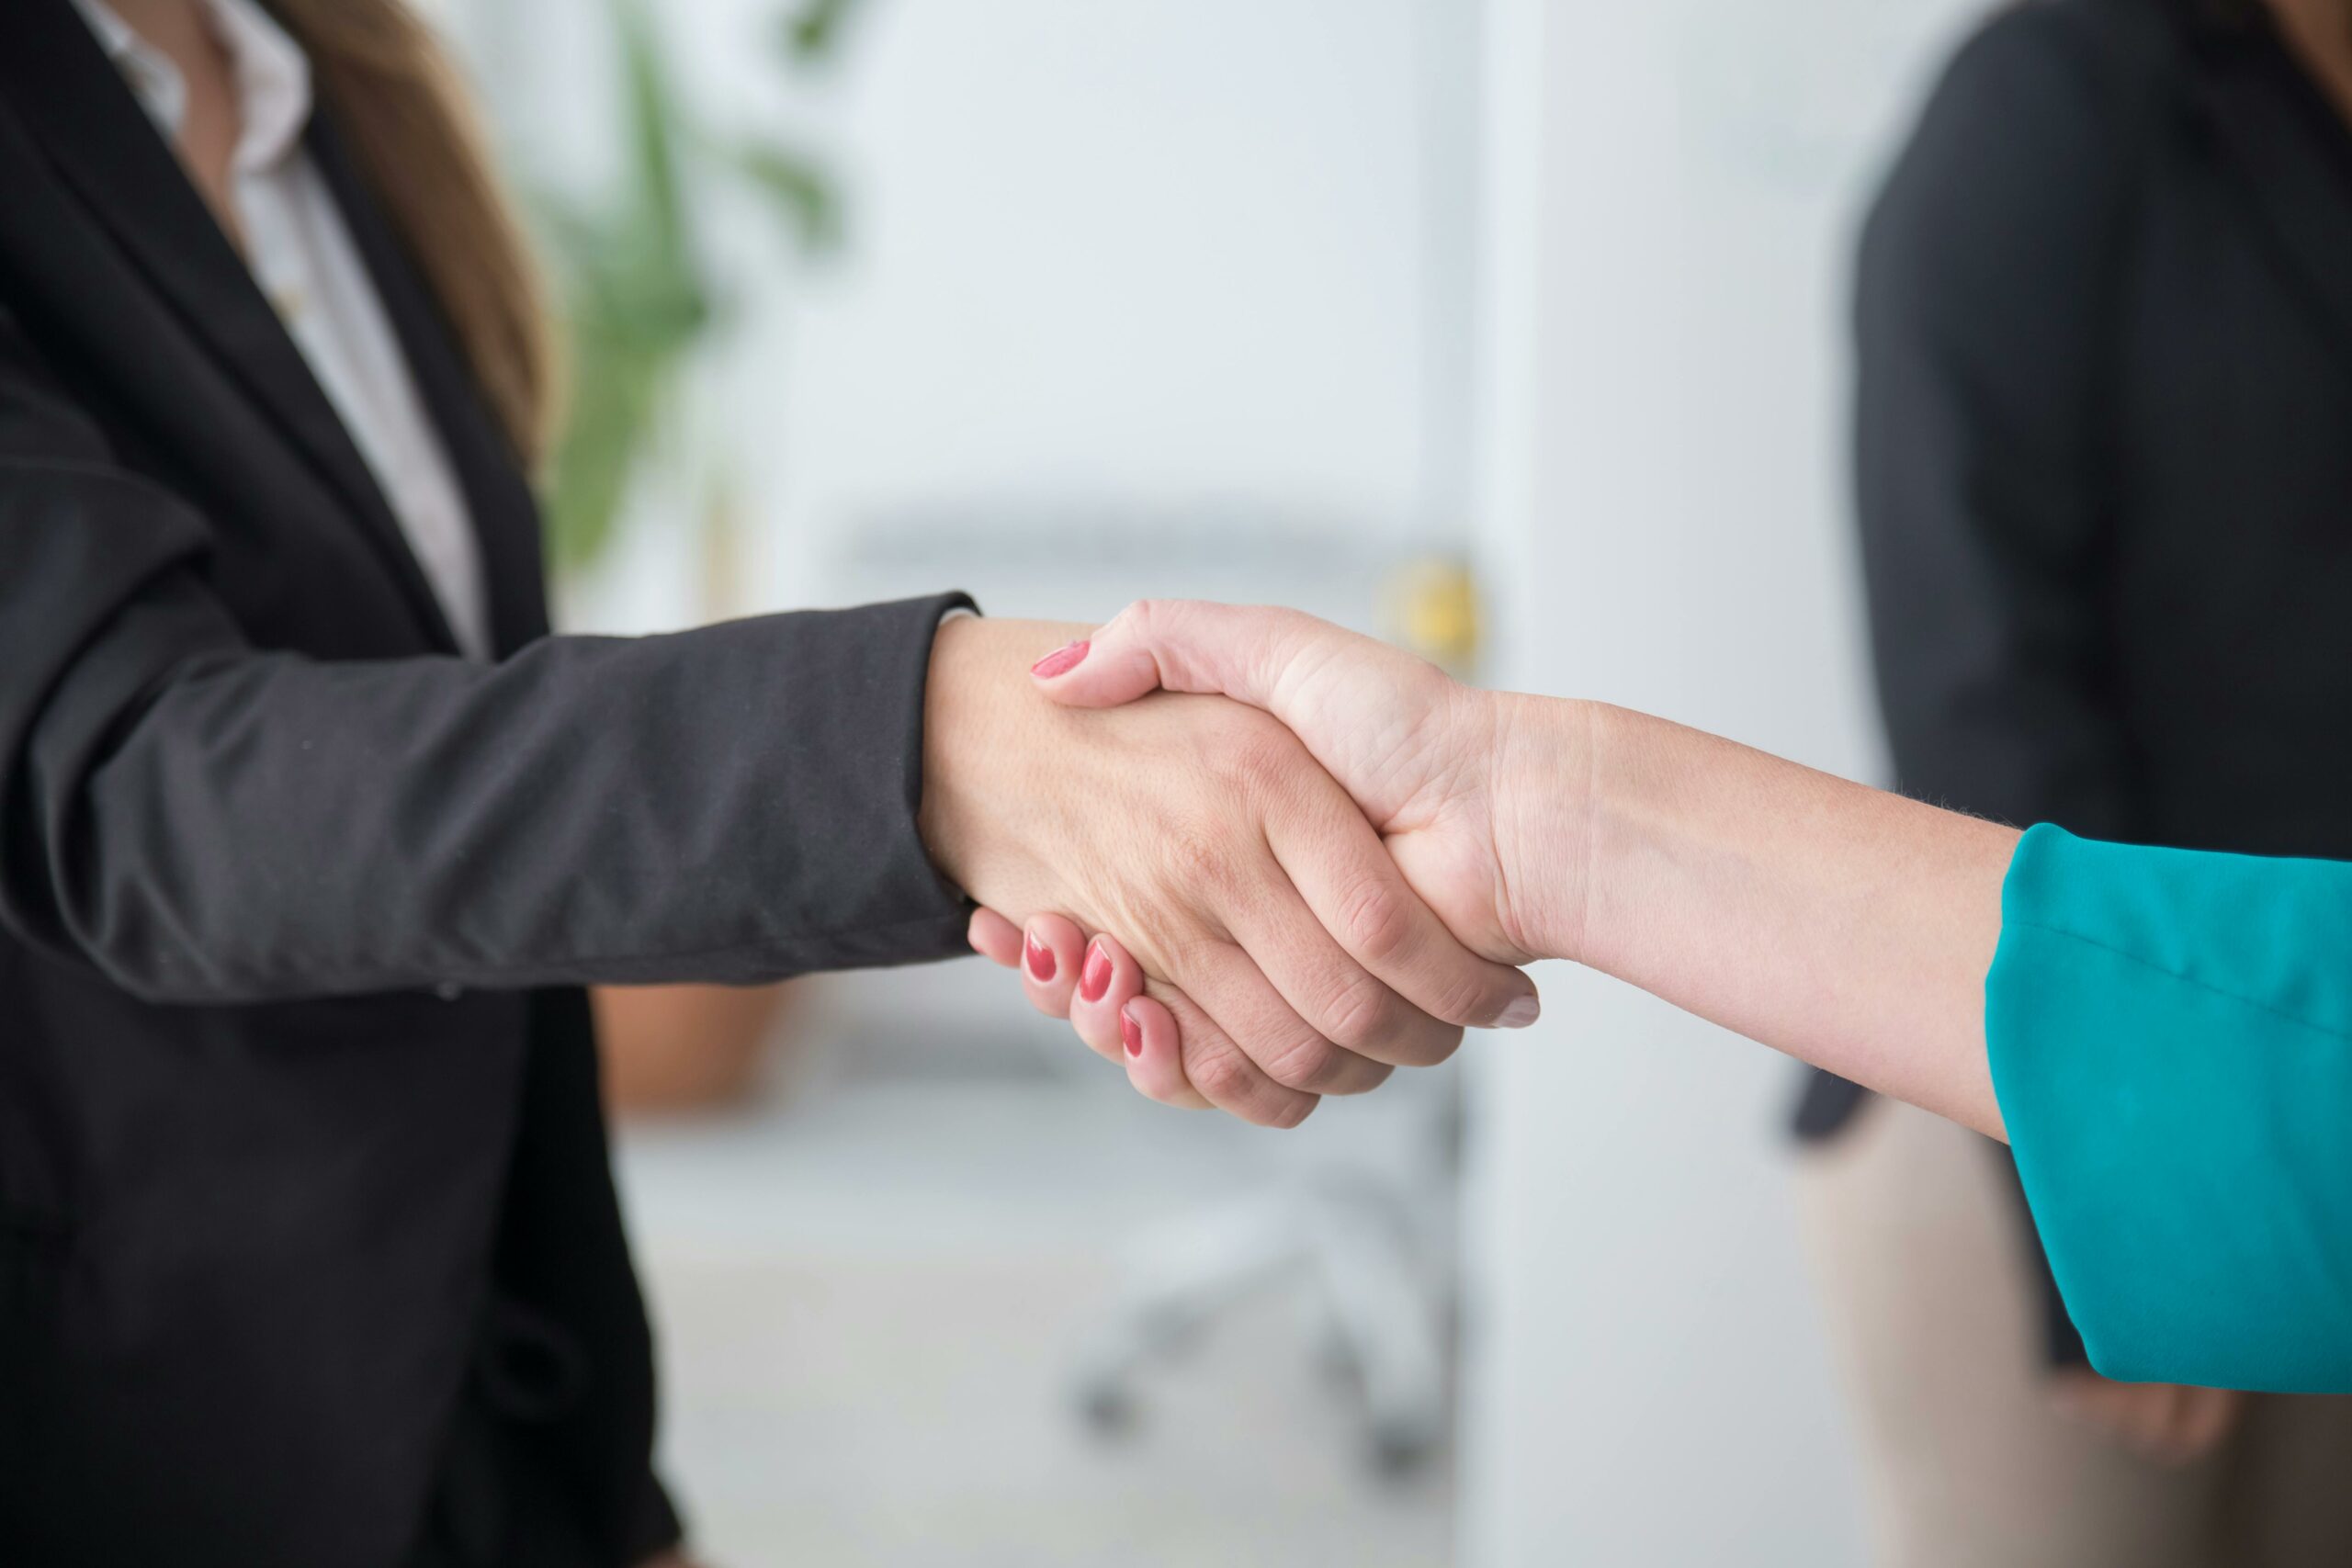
1040 957
1130 1031
1060 661
1522 1011
1095 977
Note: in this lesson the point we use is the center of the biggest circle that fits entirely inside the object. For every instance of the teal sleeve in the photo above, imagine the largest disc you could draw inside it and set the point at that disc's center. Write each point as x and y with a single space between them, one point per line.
2170 1036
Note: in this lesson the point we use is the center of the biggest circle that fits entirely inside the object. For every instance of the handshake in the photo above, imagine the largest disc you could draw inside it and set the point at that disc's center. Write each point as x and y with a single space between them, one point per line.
1284 860
1261 860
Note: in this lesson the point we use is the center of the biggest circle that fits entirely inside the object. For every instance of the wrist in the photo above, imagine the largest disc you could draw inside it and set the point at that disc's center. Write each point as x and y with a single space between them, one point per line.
942 818
1546 774
981 716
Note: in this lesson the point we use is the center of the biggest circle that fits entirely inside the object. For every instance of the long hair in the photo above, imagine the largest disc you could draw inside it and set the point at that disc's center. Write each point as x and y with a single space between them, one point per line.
413 127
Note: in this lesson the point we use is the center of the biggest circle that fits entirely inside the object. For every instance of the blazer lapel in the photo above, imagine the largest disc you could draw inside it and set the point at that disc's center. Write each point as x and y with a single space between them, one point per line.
505 515
2298 186
94 132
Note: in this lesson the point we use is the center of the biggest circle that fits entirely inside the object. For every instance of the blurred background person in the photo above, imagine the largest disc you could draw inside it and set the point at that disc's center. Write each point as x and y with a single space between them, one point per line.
2105 335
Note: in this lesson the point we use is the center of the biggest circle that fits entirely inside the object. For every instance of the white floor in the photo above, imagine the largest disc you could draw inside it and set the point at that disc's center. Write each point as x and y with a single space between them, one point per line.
867 1298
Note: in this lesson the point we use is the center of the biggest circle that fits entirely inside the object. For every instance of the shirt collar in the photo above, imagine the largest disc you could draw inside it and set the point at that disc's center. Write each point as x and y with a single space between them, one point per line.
272 75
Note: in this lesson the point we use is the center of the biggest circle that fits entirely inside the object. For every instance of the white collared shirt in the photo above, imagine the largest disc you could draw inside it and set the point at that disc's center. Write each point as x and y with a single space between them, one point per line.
309 267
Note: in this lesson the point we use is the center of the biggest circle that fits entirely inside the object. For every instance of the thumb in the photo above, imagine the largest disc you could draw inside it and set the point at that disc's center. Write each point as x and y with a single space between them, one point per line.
1184 645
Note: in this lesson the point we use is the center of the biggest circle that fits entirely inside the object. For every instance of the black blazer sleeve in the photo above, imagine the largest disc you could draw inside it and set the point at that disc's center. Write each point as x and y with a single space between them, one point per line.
1986 295
204 820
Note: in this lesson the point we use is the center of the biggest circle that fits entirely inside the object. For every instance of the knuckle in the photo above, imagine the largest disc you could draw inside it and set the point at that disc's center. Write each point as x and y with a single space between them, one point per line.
1376 922
1257 757
1459 994
1365 1015
1199 861
1221 1077
1470 991
1139 614
1311 1064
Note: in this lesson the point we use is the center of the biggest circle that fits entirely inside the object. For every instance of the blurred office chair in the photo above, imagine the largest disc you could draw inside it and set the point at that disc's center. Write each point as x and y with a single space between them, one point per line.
1370 1243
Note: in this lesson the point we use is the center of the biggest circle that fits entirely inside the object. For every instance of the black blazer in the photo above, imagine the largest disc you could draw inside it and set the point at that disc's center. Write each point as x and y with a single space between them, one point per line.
2104 438
309 1252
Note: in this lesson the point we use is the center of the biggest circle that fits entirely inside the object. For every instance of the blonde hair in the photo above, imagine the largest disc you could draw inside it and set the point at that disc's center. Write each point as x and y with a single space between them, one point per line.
412 126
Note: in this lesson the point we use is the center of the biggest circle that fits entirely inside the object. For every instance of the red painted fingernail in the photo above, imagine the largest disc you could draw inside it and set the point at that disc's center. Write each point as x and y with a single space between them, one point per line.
1095 977
1040 956
1061 660
1130 1031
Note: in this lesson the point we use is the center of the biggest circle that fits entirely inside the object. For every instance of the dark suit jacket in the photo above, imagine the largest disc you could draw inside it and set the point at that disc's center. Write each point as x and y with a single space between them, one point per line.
309 1252
2104 439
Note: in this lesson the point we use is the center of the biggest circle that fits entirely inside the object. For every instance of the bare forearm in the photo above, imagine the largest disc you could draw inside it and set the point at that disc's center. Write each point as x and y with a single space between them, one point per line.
1846 926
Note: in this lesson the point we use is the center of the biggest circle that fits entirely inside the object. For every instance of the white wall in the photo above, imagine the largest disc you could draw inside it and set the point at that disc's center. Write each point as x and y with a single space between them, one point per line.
1671 191
1154 249
1131 285
1118 276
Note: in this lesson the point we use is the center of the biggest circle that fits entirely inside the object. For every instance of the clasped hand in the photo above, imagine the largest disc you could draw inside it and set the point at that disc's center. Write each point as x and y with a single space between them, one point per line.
1252 902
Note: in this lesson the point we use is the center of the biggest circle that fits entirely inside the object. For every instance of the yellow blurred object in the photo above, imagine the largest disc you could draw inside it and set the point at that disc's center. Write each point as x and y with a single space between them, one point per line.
1434 605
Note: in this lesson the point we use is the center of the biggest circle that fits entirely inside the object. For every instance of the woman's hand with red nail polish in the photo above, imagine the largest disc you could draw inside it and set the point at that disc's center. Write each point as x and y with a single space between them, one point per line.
1425 757
1121 1019
1040 961
1094 975
1109 1007
1420 754
1229 865
1089 981
1156 1053
1062 660
1050 954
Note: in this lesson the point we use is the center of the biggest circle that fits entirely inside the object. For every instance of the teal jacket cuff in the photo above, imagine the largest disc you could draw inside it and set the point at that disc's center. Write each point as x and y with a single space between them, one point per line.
2170 1036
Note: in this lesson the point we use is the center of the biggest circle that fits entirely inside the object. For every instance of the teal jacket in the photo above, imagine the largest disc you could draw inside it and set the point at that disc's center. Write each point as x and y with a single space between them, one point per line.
2171 1044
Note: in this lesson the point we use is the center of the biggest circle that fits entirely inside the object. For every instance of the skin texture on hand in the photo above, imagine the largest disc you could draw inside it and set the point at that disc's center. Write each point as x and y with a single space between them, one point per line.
1257 904
1415 748
1847 927
1101 989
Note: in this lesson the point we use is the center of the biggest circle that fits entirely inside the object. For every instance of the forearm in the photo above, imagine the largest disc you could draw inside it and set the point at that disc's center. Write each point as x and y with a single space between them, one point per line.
1846 926
733 804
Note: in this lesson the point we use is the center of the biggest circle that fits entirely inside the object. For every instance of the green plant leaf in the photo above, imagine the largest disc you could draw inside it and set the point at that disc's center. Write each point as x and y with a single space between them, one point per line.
797 189
655 116
636 300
